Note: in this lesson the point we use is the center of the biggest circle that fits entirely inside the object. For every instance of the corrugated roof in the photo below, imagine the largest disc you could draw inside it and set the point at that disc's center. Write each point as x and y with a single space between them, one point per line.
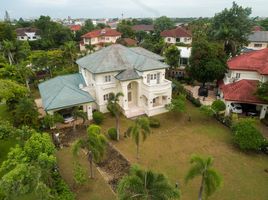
63 91
129 74
258 36
119 58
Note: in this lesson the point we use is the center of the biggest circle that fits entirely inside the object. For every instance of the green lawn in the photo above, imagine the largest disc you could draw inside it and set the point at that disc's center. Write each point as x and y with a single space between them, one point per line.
95 189
170 147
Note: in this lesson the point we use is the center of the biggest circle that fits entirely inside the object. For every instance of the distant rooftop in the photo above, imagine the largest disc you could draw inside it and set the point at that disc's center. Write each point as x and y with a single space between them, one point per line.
258 36
176 33
143 27
101 32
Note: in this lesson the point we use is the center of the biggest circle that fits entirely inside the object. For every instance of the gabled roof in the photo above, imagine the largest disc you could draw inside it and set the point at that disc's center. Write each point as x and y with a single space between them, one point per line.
23 31
258 36
102 32
252 61
75 27
117 58
242 91
176 33
129 74
143 27
63 91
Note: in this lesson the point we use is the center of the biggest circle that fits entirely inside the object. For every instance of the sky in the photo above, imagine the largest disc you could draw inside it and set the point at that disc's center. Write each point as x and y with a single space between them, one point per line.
130 8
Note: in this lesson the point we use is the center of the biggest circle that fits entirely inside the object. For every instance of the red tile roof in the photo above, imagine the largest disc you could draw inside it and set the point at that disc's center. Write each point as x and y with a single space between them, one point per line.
242 91
143 27
102 32
252 61
130 42
176 33
75 27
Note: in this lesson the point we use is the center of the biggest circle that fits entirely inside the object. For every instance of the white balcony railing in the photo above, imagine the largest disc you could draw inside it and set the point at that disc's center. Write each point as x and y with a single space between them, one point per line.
165 84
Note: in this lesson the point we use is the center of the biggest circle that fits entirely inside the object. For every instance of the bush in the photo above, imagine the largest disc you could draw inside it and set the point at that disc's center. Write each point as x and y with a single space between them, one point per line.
246 136
154 123
193 100
98 117
112 133
218 106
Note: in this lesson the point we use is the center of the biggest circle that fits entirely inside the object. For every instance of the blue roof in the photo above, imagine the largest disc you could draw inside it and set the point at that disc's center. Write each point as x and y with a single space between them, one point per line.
64 91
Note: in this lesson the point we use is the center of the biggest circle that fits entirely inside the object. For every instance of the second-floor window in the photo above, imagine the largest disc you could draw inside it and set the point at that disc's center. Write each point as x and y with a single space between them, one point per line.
257 45
107 78
237 75
153 78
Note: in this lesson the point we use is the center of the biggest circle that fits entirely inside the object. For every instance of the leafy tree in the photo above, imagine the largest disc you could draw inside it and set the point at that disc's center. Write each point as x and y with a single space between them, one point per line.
246 136
207 110
232 27
141 128
264 24
172 56
262 91
50 120
95 145
200 28
79 174
207 61
163 23
77 113
26 112
115 110
126 29
210 179
140 184
8 49
218 106
177 104
70 52
22 51
154 43
7 32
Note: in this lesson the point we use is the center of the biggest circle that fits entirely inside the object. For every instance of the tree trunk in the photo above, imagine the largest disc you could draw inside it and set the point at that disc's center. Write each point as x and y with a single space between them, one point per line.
27 84
117 127
201 188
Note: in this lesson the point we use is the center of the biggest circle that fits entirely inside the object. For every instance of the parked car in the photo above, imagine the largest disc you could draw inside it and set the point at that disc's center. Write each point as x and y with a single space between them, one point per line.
236 108
68 118
252 112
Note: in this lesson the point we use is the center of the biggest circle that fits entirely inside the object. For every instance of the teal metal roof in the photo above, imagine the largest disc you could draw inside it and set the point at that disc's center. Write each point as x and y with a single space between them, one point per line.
63 91
119 58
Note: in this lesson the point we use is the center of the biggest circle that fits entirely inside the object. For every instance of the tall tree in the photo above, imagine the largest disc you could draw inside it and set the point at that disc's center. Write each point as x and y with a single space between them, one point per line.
146 185
264 24
262 91
207 61
210 179
70 52
172 56
140 129
95 144
8 49
125 27
114 107
77 113
232 27
163 23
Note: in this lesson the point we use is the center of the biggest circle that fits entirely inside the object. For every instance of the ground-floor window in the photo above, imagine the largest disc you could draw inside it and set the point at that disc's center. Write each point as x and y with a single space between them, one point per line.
106 97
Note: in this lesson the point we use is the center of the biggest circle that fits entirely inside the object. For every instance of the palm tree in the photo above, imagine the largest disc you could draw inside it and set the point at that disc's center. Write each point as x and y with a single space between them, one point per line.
211 180
70 51
115 110
95 145
77 113
146 185
7 48
140 129
25 72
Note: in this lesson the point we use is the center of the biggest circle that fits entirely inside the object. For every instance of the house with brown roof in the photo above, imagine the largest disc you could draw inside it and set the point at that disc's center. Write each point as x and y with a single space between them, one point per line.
177 35
143 27
240 83
75 27
99 38
28 33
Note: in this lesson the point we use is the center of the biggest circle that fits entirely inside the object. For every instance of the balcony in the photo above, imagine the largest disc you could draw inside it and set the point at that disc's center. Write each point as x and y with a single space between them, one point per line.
164 85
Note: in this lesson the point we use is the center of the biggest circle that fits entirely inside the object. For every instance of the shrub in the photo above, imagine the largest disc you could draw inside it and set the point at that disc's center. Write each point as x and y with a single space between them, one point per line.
246 136
112 133
207 110
98 117
218 106
154 123
193 100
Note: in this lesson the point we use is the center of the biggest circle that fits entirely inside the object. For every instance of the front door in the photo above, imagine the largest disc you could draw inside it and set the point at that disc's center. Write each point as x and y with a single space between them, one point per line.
129 96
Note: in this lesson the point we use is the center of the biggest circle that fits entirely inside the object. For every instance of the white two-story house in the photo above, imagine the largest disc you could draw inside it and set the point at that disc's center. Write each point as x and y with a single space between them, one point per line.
28 34
98 38
240 83
177 35
137 73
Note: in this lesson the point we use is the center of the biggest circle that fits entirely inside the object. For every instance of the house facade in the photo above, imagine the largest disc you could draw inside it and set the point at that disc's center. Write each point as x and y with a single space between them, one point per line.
258 40
240 83
138 74
98 38
28 34
177 35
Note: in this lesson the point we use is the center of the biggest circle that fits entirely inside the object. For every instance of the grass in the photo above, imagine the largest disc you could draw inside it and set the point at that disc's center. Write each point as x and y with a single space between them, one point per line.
95 189
169 148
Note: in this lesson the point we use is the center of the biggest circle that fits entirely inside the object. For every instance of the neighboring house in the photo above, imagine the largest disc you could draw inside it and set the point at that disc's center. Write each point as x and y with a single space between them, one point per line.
137 73
127 42
30 34
177 35
99 38
75 28
240 83
258 40
143 27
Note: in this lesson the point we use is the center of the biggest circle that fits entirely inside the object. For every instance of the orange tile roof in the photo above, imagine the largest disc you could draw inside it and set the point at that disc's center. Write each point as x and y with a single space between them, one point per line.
75 27
102 32
176 33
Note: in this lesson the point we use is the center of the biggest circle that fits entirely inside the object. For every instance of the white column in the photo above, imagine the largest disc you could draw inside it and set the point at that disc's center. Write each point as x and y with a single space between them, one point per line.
125 97
263 111
88 109
228 107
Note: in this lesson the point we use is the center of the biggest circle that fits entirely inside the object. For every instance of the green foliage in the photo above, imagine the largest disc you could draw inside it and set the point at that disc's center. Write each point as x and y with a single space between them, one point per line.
163 23
49 121
200 28
232 27
70 52
112 133
126 29
154 43
140 184
6 130
218 106
262 91
98 117
247 136
207 110
172 56
154 122
7 32
207 61
80 176
211 180
177 104
264 24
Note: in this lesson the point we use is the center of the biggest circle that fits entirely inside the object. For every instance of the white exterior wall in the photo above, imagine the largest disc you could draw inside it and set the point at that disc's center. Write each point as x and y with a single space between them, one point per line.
30 36
257 45
232 75
172 40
